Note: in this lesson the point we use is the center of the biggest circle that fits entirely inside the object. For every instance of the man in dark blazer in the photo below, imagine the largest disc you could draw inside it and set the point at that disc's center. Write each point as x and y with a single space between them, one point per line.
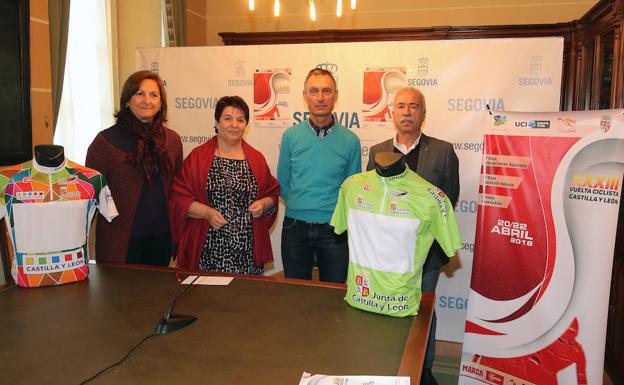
436 161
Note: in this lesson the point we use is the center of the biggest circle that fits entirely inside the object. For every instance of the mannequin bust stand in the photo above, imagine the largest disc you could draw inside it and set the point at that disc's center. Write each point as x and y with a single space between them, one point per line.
389 163
49 155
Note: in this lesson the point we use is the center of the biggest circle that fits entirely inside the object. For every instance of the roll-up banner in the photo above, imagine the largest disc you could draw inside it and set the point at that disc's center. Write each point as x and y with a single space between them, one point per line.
459 79
550 190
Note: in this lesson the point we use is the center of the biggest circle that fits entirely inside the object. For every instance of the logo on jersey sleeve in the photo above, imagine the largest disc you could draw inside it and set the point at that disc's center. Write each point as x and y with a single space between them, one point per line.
438 196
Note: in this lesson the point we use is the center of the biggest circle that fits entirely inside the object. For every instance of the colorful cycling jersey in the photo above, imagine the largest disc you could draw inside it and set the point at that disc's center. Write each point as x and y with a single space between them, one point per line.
49 210
392 223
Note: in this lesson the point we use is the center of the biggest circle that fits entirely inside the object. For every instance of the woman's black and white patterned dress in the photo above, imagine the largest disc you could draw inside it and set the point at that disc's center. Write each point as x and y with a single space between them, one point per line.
231 188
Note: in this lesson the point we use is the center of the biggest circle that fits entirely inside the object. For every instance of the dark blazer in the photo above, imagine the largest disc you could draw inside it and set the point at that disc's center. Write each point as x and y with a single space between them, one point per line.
438 164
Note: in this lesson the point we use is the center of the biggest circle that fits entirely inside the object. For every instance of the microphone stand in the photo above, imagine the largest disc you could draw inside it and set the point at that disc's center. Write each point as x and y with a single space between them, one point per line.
171 322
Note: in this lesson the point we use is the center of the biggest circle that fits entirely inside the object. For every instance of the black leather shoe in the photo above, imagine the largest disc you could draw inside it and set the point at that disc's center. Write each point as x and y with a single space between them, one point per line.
427 377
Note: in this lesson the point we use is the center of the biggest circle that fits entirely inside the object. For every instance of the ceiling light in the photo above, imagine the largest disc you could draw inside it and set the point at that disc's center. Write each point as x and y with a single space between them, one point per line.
312 11
276 8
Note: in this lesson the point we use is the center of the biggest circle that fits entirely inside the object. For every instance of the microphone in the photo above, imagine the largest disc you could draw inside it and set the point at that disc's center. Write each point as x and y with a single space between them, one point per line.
171 322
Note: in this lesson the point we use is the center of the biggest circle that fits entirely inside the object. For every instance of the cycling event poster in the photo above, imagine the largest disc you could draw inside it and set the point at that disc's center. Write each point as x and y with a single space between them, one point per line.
549 195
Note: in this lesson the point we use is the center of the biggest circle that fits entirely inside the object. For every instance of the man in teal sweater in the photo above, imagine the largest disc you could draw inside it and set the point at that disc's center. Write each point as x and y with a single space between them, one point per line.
316 156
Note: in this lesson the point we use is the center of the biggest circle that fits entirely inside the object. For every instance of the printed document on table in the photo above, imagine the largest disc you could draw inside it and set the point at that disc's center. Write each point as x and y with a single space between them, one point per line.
213 281
322 379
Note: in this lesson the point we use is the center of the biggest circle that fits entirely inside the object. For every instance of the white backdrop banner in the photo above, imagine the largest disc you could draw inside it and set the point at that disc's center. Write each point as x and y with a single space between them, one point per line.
551 187
459 78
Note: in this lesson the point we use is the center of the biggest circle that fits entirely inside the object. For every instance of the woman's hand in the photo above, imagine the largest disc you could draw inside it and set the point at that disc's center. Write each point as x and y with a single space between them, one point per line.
199 210
215 218
259 207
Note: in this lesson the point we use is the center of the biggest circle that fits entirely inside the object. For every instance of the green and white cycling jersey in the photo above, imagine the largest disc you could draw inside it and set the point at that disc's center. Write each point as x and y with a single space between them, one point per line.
392 222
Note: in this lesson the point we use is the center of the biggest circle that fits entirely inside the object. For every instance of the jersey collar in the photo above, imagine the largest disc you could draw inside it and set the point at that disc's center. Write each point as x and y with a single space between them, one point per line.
396 177
48 170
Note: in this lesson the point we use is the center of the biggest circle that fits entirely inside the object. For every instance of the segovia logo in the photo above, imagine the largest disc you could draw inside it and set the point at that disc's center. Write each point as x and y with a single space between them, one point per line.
605 123
535 74
423 66
535 68
331 67
239 73
500 120
239 69
422 70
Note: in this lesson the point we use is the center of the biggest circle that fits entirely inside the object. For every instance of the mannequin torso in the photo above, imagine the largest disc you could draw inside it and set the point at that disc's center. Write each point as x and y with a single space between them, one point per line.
49 155
389 163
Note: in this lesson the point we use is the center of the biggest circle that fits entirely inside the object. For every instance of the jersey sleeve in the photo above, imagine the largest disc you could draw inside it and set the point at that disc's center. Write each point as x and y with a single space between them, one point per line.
105 203
3 183
339 217
443 223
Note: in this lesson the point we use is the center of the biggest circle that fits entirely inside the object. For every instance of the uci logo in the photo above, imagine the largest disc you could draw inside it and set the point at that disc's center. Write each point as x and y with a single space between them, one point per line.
331 67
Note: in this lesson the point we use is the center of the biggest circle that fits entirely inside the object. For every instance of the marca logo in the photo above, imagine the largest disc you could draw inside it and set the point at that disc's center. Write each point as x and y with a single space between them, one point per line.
494 378
472 370
596 182
239 73
422 71
535 74
605 123
534 124
499 120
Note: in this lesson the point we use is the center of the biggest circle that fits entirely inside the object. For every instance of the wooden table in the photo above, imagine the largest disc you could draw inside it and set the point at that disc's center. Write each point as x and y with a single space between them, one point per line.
253 331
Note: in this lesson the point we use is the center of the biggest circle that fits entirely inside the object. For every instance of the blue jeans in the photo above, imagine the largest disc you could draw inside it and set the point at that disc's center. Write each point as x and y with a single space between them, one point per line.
429 282
301 241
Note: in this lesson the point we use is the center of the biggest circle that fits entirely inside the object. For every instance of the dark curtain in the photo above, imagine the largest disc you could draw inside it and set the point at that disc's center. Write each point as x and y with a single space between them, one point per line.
176 22
58 15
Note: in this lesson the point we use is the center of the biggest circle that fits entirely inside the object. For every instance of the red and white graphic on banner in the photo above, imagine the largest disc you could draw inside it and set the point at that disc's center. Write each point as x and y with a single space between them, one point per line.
272 97
379 87
548 201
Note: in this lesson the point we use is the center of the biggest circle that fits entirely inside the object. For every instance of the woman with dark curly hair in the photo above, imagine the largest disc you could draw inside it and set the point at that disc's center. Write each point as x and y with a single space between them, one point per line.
139 157
224 200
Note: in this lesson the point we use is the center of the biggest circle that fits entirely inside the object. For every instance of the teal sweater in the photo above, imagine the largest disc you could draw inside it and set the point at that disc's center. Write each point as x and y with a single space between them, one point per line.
310 170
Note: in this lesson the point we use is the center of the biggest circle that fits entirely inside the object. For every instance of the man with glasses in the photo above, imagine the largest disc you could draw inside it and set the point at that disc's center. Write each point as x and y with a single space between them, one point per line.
436 161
